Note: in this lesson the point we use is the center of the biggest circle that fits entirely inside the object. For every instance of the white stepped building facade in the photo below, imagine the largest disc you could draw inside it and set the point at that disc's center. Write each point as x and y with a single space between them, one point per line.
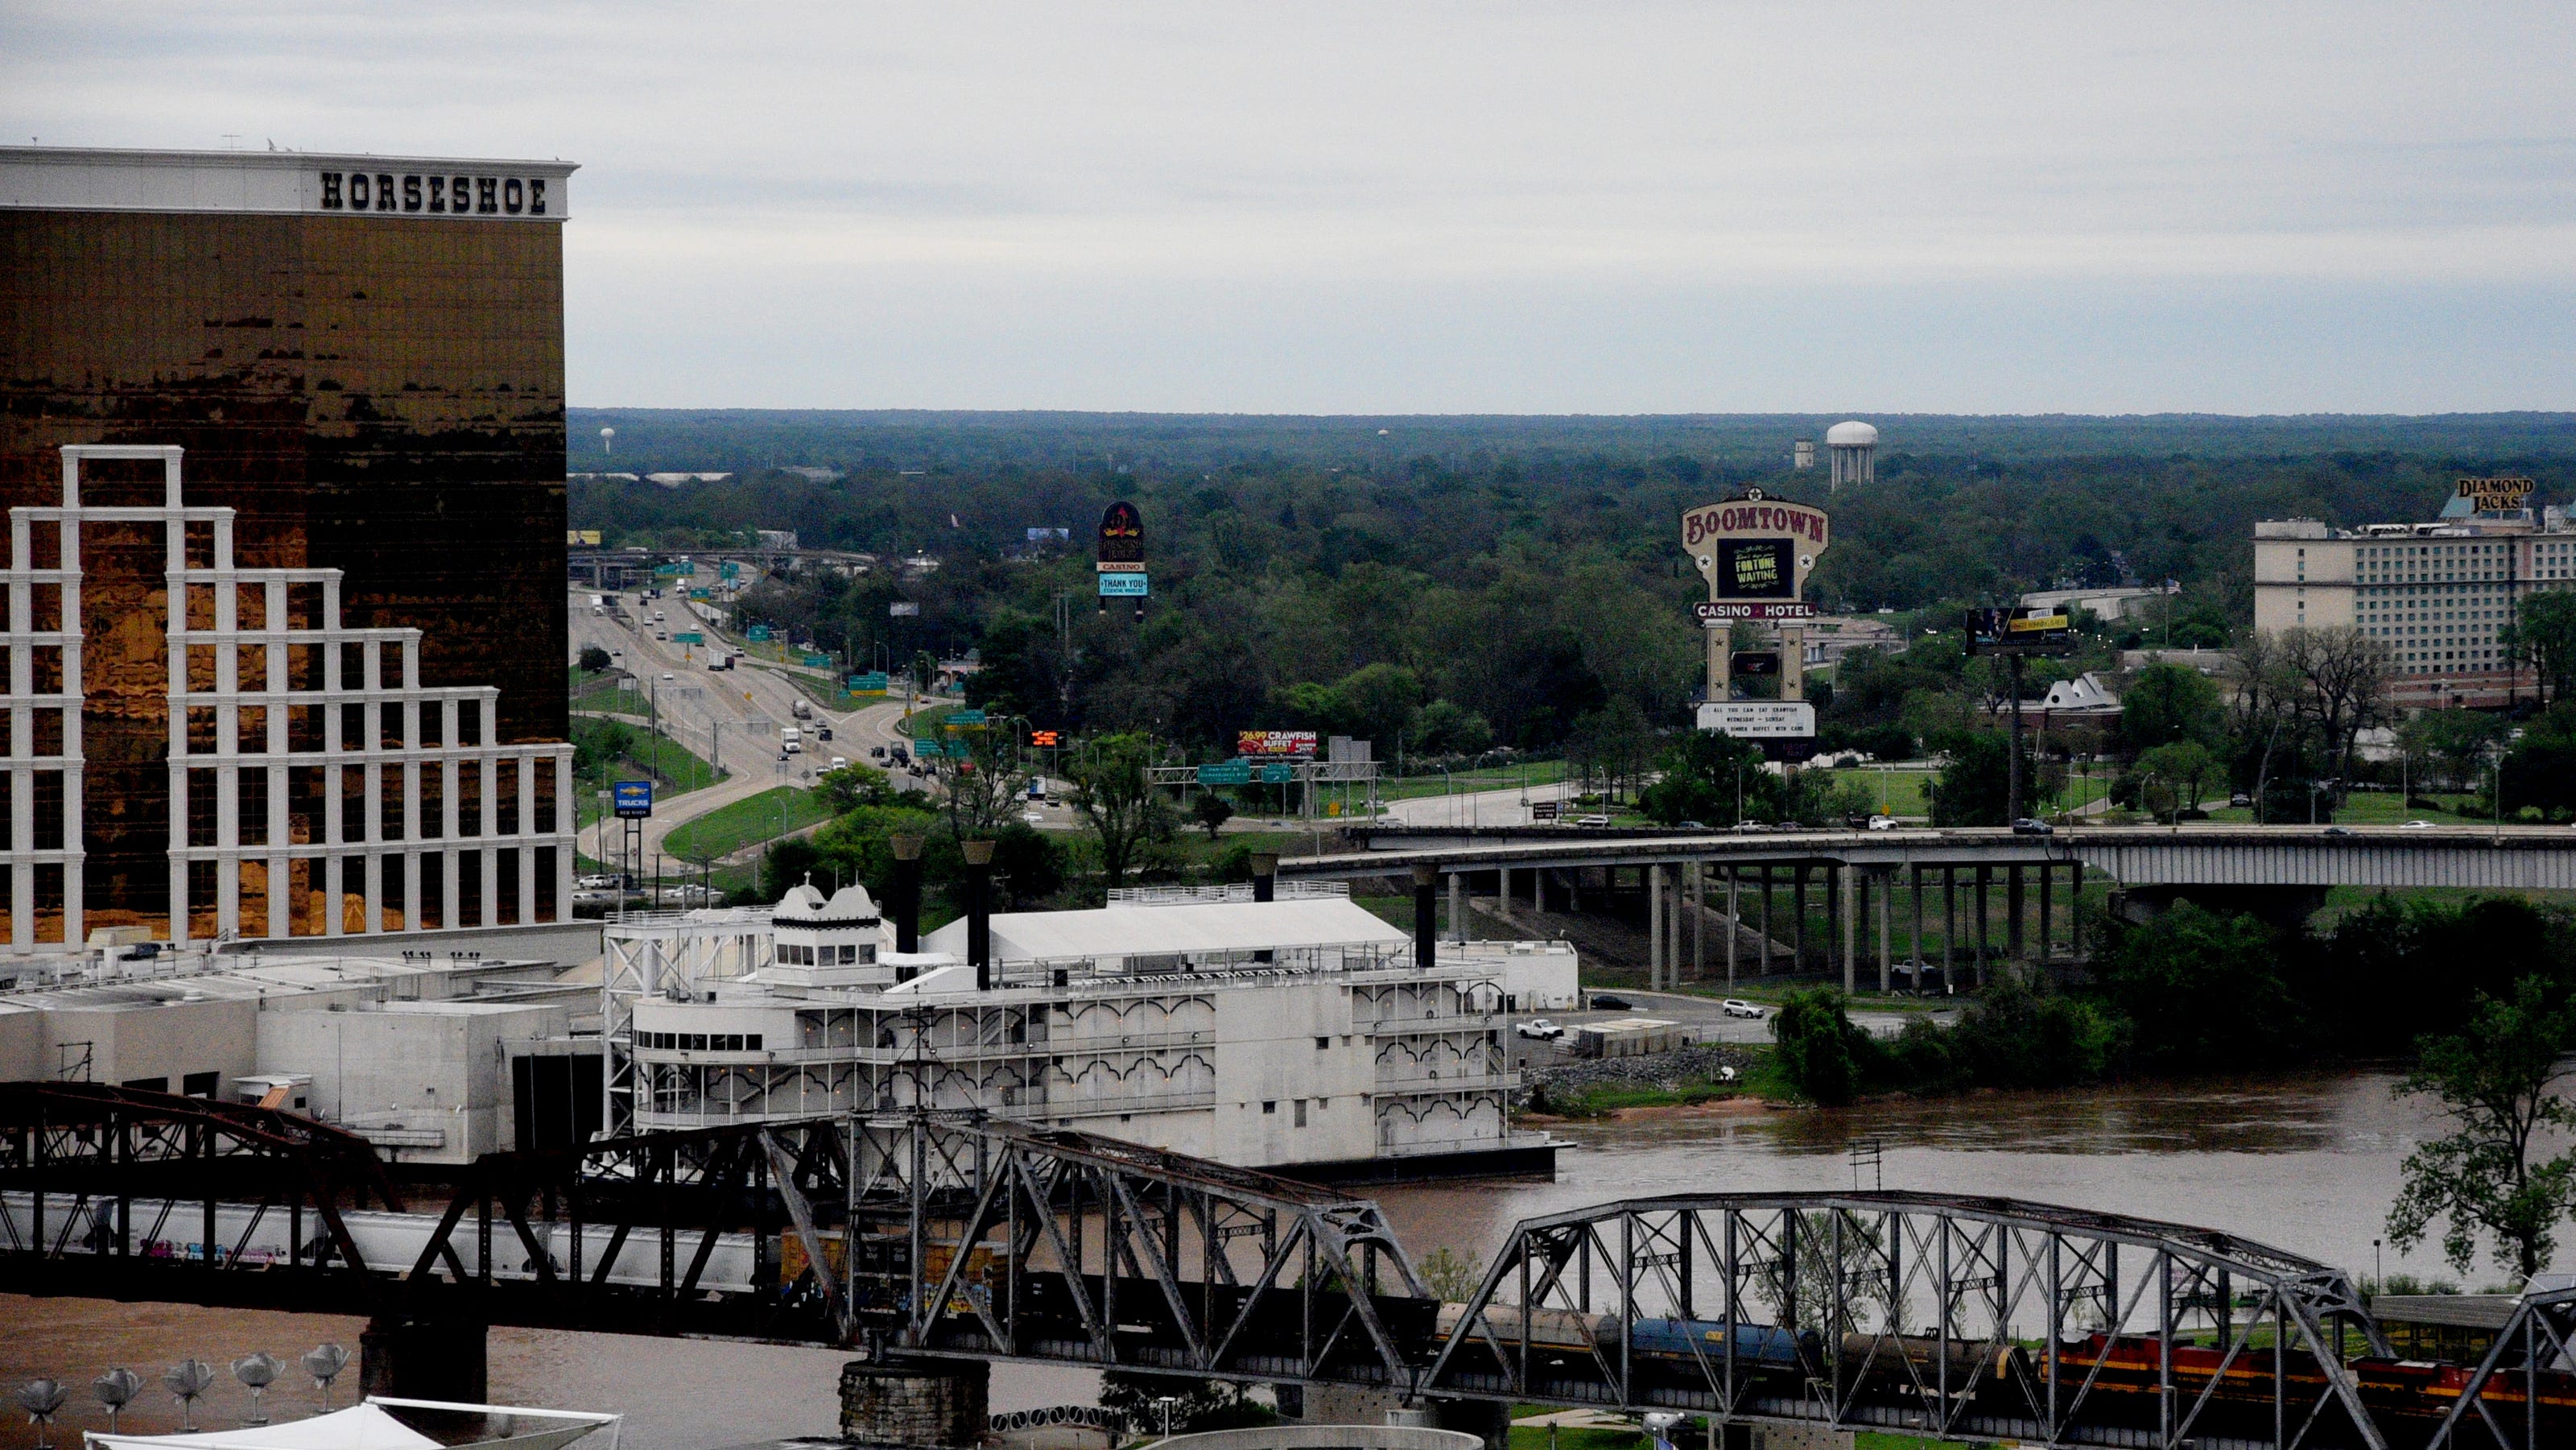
413 819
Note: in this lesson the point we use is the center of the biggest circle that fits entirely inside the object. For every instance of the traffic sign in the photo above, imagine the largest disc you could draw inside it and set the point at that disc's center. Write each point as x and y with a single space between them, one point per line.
757 634
689 636
632 800
1542 810
1124 586
1046 738
1226 772
818 662
1278 773
874 682
960 719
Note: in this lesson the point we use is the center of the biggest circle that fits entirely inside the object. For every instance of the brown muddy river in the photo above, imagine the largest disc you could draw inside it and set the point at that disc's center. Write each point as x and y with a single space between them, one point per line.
2307 1164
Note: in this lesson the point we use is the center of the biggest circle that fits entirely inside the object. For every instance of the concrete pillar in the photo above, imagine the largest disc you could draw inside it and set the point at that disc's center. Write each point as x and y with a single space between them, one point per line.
1734 923
1886 955
1849 881
1457 906
943 1404
1654 928
422 1359
1697 891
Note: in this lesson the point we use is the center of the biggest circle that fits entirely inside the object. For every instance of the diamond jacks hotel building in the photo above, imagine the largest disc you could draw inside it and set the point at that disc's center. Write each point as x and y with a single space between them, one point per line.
281 445
2437 594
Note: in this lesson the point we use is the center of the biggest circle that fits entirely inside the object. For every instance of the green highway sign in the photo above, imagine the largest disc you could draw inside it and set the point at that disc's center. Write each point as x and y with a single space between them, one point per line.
818 662
1226 772
872 683
961 718
757 634
689 636
1278 772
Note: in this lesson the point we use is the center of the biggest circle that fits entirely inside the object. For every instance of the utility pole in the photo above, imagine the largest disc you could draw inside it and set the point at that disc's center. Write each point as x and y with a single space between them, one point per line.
2012 776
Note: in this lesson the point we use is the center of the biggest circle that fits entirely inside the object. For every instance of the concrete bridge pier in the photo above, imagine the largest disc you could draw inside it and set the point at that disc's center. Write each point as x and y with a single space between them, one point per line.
421 1357
916 1403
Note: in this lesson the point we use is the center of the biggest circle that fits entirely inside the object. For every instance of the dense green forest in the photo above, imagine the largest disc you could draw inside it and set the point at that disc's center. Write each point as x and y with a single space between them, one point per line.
1452 584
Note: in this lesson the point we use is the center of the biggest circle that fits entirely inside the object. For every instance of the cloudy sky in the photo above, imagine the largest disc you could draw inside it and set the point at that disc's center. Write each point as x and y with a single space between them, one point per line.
1607 207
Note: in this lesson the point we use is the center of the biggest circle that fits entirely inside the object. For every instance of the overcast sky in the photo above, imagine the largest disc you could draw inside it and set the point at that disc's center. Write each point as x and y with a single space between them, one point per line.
1307 207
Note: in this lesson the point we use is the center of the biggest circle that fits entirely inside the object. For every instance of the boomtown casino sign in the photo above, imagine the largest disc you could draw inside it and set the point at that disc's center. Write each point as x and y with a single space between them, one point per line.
1755 553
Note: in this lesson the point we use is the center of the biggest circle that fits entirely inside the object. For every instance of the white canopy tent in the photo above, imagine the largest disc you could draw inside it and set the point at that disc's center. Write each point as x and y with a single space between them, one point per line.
370 1426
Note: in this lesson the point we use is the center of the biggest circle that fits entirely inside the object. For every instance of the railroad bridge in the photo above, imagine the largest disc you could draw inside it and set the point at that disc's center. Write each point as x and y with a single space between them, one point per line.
926 1243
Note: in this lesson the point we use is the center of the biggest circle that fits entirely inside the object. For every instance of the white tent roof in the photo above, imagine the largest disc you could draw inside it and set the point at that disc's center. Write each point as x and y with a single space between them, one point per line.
368 1427
1126 931
360 1427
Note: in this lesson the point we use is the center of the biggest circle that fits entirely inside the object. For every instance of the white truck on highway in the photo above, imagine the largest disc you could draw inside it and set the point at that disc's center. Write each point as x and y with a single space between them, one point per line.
791 741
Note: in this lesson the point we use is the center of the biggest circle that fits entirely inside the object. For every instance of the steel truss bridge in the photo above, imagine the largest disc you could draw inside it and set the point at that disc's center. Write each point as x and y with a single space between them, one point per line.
950 1237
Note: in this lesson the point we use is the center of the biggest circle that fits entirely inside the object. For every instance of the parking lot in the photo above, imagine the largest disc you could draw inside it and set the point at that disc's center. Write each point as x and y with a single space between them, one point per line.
1703 1013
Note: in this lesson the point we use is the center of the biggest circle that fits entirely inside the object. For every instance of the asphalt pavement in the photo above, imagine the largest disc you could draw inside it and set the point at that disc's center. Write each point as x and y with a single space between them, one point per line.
1705 1013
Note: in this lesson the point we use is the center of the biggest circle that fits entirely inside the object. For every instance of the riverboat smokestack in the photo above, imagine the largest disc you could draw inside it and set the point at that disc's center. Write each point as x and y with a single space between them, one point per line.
907 892
1426 930
979 910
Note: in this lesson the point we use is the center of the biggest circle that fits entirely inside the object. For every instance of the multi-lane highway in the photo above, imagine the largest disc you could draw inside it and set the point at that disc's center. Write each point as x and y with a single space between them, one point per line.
732 716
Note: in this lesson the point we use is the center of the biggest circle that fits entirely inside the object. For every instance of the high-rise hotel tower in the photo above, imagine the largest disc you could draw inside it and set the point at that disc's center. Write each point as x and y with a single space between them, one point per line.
282 448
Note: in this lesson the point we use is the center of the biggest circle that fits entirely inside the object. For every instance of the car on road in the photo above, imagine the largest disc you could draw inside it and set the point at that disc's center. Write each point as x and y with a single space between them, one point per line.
2240 800
876 752
1592 820
1033 818
822 732
1738 1007
2031 826
1750 826
666 674
898 755
1882 823
1539 1029
837 762
1608 1003
2338 830
2416 826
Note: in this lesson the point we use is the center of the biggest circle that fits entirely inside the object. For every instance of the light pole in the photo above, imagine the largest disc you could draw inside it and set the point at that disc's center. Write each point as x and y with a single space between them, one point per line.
1167 1401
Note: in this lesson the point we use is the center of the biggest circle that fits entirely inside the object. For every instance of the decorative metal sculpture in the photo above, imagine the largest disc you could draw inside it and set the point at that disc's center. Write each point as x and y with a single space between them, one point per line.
324 1362
116 1389
258 1371
188 1379
41 1399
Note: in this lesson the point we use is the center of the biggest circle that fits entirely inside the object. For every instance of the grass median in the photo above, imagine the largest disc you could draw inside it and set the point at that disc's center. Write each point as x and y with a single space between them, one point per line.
767 816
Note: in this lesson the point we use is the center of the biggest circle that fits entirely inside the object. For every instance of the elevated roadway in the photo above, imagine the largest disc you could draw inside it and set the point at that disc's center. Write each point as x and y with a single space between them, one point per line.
2516 858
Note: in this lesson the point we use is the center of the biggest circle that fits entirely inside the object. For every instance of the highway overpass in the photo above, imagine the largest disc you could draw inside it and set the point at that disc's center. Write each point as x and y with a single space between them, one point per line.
2280 871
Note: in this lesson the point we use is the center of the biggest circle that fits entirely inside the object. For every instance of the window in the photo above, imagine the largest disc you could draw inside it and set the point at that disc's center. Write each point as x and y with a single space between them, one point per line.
1270 1107
1322 1043
1300 1106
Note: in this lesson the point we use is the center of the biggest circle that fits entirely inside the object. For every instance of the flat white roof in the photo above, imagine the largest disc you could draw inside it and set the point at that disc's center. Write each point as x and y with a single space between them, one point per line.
71 178
1132 931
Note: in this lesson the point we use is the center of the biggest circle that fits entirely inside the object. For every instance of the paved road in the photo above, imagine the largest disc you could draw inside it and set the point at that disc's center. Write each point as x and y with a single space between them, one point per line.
1700 1012
732 716
1505 807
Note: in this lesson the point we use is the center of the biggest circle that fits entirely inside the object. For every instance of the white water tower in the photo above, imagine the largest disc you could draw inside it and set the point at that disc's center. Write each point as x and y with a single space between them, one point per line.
607 441
1854 448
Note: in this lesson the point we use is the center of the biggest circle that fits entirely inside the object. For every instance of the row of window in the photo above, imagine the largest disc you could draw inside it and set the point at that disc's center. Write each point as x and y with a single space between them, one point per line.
792 954
700 1041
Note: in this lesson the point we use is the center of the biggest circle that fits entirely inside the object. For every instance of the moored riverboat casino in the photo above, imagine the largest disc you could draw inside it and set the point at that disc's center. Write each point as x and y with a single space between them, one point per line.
328 392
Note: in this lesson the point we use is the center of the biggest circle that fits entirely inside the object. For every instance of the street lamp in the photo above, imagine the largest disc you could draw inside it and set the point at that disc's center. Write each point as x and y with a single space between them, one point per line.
1167 1401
